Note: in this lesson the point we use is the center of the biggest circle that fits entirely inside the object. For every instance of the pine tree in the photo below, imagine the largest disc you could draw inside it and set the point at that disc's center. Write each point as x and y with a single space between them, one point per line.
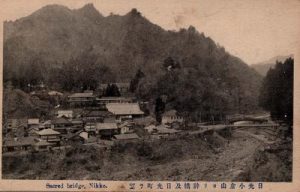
159 109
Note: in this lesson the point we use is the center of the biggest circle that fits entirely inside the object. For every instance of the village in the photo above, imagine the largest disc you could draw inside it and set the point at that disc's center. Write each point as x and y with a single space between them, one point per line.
87 118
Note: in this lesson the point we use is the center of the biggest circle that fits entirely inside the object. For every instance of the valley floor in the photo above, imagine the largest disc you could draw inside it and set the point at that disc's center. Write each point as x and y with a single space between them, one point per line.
244 156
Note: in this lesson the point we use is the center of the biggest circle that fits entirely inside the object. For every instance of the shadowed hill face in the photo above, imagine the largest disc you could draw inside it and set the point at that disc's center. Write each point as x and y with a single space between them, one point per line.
55 34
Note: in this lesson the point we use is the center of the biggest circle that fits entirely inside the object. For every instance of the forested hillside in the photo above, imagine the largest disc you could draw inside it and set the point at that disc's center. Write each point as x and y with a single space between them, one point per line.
79 49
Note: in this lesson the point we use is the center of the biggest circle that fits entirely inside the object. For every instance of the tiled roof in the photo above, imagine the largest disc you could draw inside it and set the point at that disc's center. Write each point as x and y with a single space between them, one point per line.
109 120
98 114
48 132
124 108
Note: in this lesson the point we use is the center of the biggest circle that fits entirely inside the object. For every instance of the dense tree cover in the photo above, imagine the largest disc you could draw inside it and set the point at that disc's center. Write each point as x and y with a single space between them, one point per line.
135 81
199 91
276 93
112 90
84 72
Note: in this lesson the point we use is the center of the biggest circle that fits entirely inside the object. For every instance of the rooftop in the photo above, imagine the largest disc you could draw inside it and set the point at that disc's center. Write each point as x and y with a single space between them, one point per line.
51 93
19 142
64 111
124 108
77 121
48 132
115 98
109 120
61 120
43 143
103 126
98 114
82 95
126 136
33 121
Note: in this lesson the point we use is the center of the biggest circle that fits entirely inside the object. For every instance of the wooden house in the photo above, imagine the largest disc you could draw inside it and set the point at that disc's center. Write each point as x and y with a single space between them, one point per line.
18 144
77 123
33 123
126 127
107 130
171 116
104 100
50 136
82 99
75 138
125 111
96 116
45 125
62 125
43 145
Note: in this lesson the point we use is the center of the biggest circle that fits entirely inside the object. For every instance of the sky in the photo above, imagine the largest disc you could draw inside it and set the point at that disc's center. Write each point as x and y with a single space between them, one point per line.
254 30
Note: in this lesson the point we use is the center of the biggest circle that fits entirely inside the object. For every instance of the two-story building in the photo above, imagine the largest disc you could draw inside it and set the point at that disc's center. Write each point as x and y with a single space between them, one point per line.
50 136
96 116
62 125
82 99
33 123
125 111
105 100
107 130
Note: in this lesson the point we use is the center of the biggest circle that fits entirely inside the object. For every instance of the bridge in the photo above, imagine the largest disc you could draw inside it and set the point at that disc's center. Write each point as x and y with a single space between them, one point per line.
205 128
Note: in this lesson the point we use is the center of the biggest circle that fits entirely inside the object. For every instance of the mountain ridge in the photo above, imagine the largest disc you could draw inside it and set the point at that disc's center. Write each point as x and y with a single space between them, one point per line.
56 38
263 67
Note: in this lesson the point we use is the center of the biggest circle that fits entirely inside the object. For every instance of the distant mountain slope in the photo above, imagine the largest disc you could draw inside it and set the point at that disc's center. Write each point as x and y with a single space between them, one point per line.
56 44
263 67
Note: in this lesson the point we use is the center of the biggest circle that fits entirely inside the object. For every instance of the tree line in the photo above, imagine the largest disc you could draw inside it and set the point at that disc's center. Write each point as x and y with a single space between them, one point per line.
276 93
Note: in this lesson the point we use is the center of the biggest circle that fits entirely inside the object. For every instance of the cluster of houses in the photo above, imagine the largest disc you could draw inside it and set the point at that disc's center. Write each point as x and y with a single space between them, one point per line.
89 120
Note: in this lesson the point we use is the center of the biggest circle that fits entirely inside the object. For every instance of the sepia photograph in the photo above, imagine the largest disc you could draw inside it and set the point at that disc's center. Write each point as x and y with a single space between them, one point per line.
149 90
